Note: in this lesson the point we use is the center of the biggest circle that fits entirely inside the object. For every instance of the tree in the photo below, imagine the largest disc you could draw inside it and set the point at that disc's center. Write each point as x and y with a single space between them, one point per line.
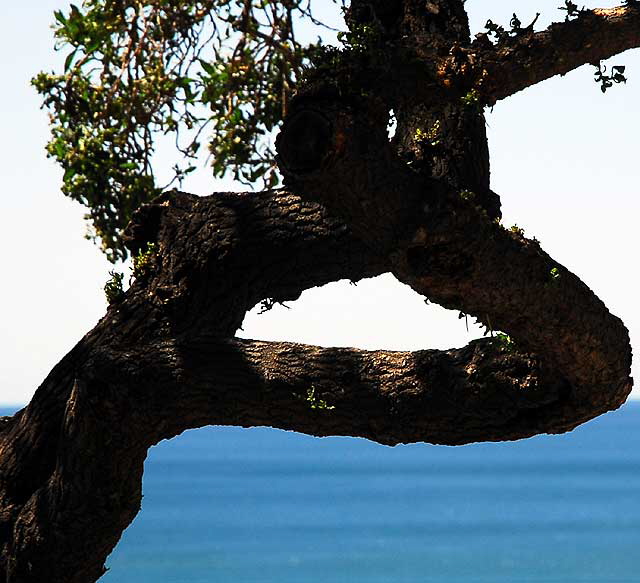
356 204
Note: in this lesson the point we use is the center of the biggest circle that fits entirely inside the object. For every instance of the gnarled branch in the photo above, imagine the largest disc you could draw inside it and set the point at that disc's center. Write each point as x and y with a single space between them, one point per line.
164 359
72 460
496 72
450 251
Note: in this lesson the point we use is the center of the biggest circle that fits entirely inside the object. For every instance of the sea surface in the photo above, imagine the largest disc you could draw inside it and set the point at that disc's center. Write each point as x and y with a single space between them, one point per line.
229 505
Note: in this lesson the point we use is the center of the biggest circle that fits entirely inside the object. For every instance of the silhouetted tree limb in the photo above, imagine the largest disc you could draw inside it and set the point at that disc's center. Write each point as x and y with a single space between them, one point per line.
439 69
164 357
511 66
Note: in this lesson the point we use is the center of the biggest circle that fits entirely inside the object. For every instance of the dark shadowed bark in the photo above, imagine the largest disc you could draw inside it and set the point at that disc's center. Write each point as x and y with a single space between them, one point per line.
164 358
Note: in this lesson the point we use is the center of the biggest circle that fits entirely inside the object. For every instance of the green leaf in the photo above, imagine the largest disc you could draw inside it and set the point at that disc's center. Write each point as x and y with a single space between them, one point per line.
59 16
69 173
69 60
60 149
208 67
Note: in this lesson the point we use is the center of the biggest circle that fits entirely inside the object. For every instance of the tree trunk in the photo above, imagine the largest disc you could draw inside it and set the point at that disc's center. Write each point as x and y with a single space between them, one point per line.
164 358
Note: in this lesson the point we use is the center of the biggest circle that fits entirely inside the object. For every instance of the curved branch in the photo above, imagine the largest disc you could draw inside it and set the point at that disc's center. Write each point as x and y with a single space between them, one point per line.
163 358
71 462
451 252
219 256
125 399
143 375
465 261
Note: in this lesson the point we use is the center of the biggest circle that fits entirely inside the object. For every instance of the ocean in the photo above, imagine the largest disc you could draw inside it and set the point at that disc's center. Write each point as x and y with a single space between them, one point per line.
260 506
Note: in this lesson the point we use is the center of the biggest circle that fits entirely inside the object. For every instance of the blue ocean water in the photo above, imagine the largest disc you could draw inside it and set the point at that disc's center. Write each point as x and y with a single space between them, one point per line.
260 506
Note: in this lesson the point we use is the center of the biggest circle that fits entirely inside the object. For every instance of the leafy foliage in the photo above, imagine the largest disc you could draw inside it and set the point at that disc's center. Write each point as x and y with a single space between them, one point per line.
505 342
515 230
144 260
113 289
471 99
501 34
571 8
315 402
607 81
136 70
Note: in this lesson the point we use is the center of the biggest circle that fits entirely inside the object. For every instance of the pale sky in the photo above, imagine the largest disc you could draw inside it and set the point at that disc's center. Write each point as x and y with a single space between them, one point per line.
564 160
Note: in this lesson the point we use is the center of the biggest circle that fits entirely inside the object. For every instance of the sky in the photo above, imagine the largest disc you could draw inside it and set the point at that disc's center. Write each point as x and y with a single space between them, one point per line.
564 160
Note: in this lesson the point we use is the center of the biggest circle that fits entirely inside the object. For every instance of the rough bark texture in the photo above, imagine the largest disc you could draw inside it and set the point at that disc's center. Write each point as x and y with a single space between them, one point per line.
164 357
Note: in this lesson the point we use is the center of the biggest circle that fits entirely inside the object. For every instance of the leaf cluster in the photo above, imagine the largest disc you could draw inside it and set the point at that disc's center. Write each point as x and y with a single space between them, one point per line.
572 10
220 71
515 28
607 81
113 289
143 261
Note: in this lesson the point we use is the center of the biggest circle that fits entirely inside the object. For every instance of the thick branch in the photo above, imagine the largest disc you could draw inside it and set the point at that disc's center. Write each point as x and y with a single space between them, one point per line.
71 470
461 260
163 358
144 374
485 391
455 255
126 398
221 255
518 63
498 71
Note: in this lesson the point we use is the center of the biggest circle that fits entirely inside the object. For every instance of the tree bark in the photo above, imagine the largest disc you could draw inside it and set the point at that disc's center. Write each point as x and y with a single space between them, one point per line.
164 358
